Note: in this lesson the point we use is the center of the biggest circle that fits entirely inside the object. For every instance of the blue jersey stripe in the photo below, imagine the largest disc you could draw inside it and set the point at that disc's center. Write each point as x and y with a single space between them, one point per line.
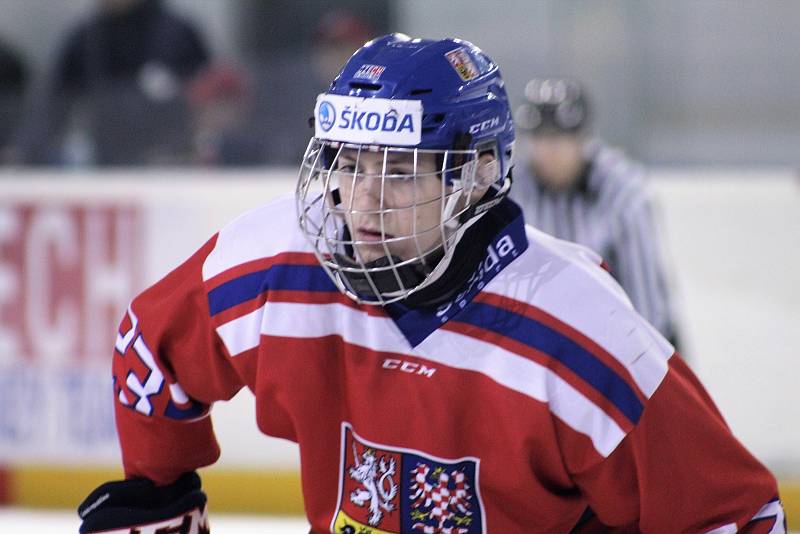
277 277
556 345
236 291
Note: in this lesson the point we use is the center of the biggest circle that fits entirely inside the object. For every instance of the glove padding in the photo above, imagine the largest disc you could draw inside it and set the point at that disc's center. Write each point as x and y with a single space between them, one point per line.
138 506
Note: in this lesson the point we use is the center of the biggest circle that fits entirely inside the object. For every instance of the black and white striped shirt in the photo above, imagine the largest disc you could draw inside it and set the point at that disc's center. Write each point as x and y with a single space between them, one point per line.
609 210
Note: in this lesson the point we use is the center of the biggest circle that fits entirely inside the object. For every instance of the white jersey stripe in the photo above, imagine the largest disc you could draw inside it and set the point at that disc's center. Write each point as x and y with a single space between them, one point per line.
243 333
235 246
724 529
444 347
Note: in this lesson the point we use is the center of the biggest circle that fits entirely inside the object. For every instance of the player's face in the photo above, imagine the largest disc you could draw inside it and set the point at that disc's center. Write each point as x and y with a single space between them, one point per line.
394 210
556 159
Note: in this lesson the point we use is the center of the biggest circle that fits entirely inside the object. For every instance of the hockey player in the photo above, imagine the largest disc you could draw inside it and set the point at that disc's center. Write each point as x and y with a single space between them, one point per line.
444 368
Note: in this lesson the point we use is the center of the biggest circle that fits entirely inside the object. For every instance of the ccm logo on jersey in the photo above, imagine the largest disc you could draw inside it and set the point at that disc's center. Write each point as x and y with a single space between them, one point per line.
376 121
408 367
482 126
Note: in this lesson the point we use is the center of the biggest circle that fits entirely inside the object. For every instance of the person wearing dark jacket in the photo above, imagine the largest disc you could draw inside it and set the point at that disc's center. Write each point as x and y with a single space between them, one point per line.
115 90
13 80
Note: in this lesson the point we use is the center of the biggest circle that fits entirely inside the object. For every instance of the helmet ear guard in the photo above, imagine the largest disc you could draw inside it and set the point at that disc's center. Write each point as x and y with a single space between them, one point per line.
476 176
488 172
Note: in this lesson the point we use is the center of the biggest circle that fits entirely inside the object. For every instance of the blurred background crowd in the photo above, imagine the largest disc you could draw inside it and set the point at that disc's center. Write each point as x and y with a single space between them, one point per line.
157 82
233 82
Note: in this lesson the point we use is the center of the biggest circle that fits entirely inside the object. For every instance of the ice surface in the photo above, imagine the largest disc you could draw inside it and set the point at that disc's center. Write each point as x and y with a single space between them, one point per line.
28 521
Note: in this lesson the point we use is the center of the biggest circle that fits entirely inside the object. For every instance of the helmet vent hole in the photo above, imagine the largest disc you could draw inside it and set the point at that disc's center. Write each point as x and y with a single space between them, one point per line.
432 121
367 86
420 92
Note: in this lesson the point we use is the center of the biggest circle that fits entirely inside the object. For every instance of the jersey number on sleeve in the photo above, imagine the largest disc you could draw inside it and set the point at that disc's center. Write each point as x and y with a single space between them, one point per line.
153 381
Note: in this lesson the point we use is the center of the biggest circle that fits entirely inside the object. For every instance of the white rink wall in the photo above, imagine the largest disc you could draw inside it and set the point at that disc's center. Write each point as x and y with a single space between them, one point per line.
75 247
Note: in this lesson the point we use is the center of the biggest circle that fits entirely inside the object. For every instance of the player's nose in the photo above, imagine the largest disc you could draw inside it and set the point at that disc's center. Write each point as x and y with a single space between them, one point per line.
368 191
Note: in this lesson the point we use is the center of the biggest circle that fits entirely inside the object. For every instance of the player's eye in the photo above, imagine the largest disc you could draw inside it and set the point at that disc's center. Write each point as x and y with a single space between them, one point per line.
403 173
346 167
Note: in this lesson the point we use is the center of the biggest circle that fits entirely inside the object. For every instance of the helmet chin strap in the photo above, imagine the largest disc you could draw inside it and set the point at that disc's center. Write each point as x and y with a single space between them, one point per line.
466 220
391 282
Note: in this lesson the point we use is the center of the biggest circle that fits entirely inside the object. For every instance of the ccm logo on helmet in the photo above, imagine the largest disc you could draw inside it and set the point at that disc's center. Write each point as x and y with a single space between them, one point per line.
488 124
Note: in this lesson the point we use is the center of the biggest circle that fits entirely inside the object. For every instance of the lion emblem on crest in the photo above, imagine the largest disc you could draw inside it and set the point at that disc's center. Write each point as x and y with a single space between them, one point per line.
378 487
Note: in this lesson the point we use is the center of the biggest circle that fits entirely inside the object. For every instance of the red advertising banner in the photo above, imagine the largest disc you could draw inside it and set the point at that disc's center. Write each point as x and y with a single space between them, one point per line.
67 273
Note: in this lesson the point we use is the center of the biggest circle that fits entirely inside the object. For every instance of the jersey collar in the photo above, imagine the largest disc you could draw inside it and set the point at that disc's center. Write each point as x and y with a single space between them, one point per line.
500 240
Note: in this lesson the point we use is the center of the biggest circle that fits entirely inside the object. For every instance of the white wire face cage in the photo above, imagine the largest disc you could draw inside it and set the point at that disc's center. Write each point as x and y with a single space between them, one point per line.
384 221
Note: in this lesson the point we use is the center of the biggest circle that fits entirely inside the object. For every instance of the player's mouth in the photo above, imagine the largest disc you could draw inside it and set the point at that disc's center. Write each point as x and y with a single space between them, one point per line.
370 235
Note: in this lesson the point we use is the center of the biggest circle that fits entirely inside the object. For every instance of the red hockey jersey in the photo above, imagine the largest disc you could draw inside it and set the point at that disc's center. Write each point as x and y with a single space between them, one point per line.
535 394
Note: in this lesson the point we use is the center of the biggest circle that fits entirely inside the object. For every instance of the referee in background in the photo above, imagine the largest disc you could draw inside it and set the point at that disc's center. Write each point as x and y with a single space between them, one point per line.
576 189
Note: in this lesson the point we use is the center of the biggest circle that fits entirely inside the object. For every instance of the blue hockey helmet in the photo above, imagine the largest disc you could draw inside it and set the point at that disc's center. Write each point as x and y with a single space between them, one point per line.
463 96
403 99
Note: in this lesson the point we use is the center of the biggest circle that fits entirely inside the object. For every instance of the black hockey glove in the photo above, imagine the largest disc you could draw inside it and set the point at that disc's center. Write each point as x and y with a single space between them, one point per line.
138 506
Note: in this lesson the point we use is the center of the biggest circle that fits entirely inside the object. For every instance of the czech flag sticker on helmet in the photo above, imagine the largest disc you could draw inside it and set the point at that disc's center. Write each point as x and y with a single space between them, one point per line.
463 64
369 72
372 121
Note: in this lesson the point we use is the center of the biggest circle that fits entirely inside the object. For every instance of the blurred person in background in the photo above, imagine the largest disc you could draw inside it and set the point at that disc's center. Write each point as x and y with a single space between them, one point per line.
13 78
220 102
336 35
576 188
290 87
115 93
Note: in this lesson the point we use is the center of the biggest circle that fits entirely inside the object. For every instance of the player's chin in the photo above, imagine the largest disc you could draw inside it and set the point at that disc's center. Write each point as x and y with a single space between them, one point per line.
399 250
370 253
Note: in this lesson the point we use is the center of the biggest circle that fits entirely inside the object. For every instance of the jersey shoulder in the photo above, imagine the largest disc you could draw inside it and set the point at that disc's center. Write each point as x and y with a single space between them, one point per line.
264 232
566 267
564 283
